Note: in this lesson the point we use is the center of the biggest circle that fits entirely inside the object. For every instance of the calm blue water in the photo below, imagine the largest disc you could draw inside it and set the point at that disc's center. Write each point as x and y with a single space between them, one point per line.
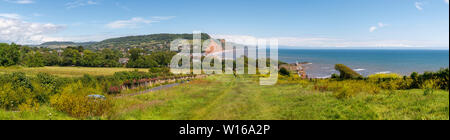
368 62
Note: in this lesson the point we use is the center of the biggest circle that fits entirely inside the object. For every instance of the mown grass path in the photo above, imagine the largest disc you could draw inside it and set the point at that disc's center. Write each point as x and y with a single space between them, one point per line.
230 98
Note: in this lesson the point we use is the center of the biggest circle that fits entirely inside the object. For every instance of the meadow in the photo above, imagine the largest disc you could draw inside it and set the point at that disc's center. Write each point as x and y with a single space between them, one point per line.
66 71
223 97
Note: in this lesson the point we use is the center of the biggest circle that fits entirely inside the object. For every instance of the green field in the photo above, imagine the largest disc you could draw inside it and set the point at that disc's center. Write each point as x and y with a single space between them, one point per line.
67 71
230 98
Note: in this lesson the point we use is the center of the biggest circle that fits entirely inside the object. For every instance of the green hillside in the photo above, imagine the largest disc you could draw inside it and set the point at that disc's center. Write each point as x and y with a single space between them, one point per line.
57 44
146 42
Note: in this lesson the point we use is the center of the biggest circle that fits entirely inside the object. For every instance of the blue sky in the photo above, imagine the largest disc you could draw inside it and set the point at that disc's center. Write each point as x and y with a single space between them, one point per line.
296 23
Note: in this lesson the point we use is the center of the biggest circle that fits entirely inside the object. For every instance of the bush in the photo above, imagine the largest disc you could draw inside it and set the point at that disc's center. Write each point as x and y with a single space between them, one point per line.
29 105
20 80
74 101
429 86
346 72
164 70
285 72
441 79
48 85
345 92
335 76
389 76
114 90
80 106
11 98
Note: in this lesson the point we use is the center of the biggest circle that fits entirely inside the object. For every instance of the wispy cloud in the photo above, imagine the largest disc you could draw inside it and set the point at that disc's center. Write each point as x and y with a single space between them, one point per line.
80 3
122 6
10 15
135 22
419 5
20 1
22 32
373 28
380 25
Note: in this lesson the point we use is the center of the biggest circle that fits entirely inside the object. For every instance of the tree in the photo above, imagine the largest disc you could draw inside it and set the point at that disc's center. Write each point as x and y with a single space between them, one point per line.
51 58
110 58
346 72
70 57
163 59
34 59
9 54
285 72
135 54
90 59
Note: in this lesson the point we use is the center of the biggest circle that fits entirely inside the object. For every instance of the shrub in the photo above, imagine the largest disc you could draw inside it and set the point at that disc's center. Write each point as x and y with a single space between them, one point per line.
11 98
48 85
20 80
285 72
346 72
79 89
80 106
163 70
114 90
389 76
429 86
441 78
74 101
41 93
29 105
334 76
345 92
391 81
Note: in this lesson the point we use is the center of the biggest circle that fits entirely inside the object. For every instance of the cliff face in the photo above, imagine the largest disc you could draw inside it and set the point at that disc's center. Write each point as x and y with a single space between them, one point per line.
214 47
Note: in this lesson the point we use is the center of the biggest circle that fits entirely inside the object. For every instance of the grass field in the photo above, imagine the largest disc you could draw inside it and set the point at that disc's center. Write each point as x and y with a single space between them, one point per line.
67 71
227 98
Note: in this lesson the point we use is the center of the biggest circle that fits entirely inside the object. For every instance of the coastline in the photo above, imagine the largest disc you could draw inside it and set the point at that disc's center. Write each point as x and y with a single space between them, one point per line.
367 62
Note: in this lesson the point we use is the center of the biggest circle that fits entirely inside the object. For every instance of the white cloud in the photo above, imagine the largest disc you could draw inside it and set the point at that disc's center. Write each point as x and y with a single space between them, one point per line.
20 1
373 28
380 25
135 22
22 32
80 3
419 6
83 38
329 42
10 15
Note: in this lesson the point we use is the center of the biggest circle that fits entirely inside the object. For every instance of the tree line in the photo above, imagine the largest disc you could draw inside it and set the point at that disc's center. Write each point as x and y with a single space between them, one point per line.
13 54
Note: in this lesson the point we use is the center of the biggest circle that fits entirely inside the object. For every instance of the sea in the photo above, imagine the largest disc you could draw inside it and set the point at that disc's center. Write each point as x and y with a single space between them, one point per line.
320 63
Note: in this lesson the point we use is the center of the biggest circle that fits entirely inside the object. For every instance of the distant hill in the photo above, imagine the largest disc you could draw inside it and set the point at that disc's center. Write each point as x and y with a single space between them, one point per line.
56 44
154 42
147 42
